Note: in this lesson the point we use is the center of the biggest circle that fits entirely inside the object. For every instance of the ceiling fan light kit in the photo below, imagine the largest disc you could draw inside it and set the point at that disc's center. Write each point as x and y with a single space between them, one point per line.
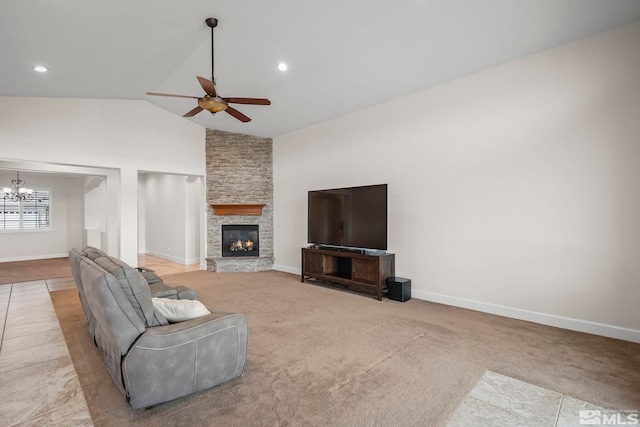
212 101
212 104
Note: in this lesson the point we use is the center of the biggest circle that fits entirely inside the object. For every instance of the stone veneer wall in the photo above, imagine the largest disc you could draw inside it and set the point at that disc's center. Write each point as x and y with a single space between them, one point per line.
239 170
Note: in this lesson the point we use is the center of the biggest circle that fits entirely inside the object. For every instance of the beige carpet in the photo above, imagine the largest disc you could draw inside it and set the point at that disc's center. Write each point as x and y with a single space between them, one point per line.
325 356
27 271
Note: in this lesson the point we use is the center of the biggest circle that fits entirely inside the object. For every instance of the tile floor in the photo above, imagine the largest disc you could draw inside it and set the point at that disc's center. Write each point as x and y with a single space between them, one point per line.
498 400
38 383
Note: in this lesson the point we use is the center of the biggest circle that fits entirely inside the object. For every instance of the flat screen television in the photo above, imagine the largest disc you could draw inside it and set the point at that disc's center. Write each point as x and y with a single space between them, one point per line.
353 217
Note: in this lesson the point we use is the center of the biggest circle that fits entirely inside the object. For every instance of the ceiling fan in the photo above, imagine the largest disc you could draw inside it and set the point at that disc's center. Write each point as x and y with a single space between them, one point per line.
212 101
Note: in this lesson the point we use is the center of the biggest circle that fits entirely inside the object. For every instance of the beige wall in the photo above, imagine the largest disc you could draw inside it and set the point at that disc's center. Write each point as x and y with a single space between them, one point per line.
173 216
512 191
114 138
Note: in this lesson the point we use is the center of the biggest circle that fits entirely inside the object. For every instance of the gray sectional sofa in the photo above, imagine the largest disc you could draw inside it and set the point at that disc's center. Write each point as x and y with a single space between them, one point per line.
150 359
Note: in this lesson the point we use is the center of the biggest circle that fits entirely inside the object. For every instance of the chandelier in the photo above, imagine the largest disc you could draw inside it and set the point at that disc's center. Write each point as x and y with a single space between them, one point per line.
18 193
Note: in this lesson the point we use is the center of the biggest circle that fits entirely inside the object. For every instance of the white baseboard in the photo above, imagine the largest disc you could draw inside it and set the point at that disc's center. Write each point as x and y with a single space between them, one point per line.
585 326
286 269
191 261
33 257
174 259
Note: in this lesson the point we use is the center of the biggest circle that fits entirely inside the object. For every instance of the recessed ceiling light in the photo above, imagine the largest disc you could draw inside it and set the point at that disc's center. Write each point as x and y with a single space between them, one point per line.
40 69
282 66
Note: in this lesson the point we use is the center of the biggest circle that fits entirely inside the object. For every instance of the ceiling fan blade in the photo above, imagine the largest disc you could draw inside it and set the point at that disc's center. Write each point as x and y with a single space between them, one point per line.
168 94
252 101
193 112
208 86
237 114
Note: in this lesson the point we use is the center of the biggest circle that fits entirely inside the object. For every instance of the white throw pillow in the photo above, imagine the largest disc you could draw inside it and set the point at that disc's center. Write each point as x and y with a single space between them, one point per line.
179 310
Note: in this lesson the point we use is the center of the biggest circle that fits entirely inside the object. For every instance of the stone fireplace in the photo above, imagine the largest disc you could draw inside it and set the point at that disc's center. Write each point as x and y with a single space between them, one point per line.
240 199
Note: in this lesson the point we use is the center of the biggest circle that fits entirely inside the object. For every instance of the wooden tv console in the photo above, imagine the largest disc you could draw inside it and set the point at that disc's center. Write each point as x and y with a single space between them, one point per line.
348 268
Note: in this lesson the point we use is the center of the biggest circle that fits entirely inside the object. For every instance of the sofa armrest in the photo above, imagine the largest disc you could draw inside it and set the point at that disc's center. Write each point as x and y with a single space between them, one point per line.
186 293
175 360
161 290
183 292
149 275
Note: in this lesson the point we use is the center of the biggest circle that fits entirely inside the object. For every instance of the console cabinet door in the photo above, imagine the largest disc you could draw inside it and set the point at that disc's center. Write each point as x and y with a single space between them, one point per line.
313 263
364 270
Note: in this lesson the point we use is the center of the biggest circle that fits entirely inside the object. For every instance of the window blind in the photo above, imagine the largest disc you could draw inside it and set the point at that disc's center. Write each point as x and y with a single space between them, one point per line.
26 215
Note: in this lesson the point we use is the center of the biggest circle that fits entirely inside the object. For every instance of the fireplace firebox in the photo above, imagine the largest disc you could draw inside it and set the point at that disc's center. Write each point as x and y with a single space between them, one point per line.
240 240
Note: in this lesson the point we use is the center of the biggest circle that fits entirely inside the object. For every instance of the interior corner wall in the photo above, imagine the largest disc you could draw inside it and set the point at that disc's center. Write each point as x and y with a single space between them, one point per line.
512 191
95 212
142 214
194 219
74 190
172 220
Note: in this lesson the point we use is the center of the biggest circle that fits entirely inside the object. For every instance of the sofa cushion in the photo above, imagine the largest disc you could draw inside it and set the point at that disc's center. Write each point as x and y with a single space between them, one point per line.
134 287
176 310
93 253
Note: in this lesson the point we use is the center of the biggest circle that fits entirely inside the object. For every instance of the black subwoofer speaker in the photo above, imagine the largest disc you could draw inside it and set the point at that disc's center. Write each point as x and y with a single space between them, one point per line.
399 289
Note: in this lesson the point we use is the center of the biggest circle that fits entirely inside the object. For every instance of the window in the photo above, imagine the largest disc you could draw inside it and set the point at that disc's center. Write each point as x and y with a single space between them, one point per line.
26 215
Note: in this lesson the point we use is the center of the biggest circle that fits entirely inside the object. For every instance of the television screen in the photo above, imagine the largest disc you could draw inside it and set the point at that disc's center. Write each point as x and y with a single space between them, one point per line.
354 217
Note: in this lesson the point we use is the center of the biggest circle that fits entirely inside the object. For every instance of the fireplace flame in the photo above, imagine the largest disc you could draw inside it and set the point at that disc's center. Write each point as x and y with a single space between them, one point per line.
240 245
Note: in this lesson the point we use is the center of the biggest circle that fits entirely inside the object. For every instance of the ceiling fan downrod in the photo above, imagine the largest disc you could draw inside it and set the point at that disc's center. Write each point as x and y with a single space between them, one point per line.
212 23
212 101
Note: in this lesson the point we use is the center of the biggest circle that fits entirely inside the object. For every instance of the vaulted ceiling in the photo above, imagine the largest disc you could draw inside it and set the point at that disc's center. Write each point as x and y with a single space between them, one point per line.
342 56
